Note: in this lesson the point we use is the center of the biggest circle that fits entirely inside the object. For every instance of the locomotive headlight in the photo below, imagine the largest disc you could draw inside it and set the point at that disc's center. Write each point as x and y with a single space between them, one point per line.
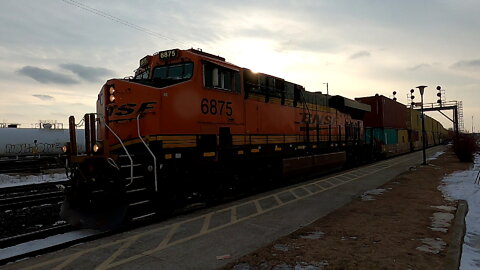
111 91
64 149
96 147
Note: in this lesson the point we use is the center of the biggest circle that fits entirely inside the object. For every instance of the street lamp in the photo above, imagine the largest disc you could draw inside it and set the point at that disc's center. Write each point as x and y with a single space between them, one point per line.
421 88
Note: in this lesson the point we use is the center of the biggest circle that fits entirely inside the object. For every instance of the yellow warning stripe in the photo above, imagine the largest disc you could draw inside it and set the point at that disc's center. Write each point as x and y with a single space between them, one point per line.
190 141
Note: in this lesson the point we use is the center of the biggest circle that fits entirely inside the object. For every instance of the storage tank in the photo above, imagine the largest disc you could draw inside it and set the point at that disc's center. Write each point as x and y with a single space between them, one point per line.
36 141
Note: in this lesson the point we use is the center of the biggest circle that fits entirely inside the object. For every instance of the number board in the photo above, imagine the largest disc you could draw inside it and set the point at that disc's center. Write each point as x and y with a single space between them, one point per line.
164 55
145 61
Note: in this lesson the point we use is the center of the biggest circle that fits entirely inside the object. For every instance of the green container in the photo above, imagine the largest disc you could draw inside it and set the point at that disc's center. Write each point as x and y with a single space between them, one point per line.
391 136
383 135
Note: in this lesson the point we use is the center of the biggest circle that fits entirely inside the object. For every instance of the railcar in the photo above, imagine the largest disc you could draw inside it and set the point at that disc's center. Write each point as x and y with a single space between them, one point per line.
27 149
189 125
38 142
392 128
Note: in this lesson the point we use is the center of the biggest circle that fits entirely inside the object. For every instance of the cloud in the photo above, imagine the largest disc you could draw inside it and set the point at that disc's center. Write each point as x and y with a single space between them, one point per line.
44 97
91 74
417 67
46 76
359 54
467 64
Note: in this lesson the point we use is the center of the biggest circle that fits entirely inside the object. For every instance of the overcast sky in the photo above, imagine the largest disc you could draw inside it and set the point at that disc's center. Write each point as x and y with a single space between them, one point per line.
55 56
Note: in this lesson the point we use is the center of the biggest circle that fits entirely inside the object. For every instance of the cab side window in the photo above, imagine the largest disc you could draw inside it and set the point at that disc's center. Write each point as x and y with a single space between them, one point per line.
222 78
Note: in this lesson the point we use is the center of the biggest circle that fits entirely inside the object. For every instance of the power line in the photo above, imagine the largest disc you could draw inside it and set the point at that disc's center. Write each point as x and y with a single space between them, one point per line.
121 21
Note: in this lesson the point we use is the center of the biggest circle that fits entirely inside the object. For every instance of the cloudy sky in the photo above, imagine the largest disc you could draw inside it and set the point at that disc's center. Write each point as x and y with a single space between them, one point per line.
55 55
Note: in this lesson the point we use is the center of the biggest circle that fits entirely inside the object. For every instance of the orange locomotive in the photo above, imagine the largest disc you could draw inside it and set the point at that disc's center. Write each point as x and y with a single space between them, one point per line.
190 125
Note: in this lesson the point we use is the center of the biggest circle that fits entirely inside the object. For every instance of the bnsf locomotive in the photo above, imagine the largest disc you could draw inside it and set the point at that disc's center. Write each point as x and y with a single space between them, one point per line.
190 126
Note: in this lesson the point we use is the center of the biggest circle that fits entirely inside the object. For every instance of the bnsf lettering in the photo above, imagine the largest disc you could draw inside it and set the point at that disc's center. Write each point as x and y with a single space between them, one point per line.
127 109
216 106
316 119
145 106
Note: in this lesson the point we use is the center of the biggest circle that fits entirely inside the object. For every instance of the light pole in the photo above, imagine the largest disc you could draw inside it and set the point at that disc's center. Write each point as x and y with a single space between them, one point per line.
327 87
421 88
326 101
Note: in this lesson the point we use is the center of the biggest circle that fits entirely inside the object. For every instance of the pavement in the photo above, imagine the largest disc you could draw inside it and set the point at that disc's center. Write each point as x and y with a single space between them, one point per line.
213 237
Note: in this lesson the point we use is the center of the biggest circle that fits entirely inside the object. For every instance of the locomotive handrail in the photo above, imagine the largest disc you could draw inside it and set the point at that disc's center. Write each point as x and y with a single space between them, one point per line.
126 151
150 151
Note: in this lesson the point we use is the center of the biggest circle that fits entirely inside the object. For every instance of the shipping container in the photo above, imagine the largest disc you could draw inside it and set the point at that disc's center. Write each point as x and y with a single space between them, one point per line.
390 135
381 135
414 122
385 112
428 124
403 142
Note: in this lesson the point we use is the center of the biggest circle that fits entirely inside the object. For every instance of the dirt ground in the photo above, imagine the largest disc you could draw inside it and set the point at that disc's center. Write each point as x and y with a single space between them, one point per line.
401 225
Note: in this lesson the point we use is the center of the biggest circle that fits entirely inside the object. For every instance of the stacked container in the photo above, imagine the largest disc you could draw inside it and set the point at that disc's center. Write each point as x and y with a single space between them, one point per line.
385 124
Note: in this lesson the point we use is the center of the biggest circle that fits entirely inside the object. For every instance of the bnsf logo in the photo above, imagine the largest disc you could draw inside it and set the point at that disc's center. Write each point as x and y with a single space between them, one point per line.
127 109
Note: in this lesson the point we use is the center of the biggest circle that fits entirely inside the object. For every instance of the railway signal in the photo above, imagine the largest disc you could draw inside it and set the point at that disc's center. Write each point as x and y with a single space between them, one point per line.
412 97
439 95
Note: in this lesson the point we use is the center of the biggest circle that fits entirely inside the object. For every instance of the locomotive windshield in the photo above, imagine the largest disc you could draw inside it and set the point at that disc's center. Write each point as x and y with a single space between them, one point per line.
172 74
166 75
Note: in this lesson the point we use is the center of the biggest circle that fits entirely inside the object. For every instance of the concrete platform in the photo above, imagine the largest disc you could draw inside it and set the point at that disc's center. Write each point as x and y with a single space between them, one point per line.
194 241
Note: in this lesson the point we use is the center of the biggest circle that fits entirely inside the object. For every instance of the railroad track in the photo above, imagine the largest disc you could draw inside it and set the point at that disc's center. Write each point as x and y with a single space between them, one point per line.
30 188
19 207
30 236
29 195
31 200
30 164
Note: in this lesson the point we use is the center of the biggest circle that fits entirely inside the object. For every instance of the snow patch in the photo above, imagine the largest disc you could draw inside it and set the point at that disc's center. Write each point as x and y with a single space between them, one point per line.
461 186
313 235
45 243
281 247
7 180
436 155
431 245
369 195
445 208
441 221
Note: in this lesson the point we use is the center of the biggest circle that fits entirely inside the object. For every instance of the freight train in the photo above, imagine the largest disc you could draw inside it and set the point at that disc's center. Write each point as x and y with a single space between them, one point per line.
393 129
190 125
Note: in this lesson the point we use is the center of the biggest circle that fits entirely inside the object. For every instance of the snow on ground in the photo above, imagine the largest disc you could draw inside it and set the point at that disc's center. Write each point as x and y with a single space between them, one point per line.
48 242
436 155
462 186
9 180
369 195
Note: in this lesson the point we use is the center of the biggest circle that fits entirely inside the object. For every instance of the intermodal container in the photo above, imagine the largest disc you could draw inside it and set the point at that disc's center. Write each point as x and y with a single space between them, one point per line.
381 135
403 142
414 122
385 112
